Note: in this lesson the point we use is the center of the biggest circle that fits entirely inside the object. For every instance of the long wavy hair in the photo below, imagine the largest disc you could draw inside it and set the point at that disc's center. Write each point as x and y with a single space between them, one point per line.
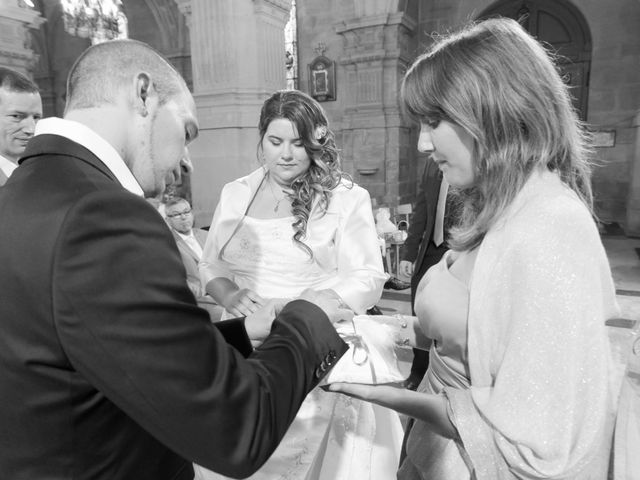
503 87
324 173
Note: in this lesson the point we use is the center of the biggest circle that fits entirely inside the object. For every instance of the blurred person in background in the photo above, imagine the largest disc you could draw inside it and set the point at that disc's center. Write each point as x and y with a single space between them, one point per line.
190 241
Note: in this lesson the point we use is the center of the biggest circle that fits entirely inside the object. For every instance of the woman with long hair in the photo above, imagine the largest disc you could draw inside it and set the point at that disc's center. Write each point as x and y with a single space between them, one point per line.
520 381
298 222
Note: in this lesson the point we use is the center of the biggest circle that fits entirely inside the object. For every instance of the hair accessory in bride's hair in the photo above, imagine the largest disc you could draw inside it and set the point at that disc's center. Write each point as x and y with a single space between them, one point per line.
321 132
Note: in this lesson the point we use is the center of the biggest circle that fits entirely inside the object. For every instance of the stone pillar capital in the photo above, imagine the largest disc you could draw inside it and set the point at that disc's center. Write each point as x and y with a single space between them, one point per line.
284 5
22 14
15 38
273 11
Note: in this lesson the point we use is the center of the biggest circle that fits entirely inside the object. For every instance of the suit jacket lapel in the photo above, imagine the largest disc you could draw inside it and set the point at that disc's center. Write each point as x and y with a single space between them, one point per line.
433 183
201 236
182 245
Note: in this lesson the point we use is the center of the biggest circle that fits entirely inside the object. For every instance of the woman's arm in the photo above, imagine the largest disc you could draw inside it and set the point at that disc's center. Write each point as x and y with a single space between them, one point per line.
225 220
237 301
361 276
426 407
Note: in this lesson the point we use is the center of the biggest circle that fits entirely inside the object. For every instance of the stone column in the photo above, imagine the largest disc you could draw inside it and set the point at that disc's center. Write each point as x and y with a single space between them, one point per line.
237 55
15 39
633 199
375 137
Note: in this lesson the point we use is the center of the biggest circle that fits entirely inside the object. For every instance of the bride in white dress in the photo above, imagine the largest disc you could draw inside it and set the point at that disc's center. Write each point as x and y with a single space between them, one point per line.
298 223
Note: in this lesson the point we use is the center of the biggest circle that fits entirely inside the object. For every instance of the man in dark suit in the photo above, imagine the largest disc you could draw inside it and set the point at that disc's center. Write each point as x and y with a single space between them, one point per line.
422 249
109 368
20 109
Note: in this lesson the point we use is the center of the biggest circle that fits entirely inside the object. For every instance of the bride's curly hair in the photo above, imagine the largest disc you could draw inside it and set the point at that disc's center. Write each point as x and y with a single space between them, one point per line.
324 173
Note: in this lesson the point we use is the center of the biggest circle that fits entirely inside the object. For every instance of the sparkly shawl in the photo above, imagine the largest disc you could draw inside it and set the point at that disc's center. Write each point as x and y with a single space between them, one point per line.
541 400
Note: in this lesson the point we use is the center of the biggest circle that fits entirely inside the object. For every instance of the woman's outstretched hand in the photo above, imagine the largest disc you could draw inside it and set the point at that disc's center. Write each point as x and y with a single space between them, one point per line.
429 408
387 395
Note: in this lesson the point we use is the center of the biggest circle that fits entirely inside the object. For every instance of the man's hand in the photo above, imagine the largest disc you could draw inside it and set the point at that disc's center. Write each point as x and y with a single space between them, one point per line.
330 302
244 302
406 268
258 324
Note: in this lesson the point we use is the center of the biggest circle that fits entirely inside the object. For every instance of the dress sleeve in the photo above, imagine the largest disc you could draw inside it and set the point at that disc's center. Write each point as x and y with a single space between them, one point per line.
210 265
543 408
361 276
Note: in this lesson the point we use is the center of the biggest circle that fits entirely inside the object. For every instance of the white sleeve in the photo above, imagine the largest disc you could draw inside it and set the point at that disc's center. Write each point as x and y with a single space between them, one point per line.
211 266
361 276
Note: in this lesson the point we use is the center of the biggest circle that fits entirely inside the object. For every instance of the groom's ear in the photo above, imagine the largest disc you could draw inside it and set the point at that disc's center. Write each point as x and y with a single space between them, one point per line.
145 96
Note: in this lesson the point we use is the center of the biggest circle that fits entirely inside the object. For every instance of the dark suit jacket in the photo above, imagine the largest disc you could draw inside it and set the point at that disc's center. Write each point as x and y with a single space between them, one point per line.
419 247
108 369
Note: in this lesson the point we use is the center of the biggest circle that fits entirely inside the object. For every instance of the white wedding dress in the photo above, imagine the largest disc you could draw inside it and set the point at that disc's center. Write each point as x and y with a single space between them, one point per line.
333 437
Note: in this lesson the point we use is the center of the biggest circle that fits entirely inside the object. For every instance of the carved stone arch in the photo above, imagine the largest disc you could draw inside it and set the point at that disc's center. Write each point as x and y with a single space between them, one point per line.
161 23
169 20
560 25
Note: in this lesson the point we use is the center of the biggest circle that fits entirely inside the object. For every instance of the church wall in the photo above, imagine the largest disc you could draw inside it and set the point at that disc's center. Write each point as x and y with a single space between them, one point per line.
370 54
614 91
374 133
316 25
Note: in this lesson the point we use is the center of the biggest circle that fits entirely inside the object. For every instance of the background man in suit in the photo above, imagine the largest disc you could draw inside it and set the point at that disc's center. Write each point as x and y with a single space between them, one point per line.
190 242
425 245
109 369
20 109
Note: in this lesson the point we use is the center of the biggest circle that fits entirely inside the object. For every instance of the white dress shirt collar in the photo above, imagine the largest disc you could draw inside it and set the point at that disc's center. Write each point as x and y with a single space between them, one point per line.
83 135
7 166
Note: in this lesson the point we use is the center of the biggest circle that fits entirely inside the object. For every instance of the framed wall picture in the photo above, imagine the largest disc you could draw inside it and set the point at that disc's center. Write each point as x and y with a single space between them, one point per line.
322 79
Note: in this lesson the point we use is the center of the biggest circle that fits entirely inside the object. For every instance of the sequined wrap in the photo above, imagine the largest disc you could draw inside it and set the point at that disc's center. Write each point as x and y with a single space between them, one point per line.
541 400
